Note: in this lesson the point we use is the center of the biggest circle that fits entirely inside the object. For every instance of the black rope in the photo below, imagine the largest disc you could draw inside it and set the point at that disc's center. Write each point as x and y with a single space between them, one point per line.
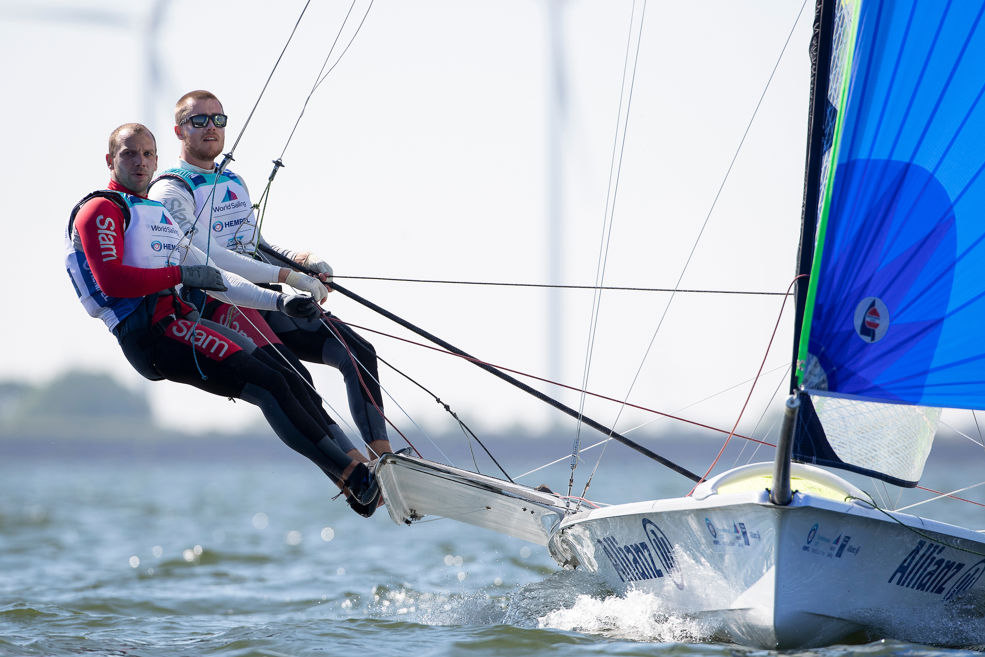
581 417
451 412
521 385
616 288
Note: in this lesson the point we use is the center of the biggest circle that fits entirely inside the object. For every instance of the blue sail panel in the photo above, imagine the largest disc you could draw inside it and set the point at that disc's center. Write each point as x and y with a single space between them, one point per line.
898 309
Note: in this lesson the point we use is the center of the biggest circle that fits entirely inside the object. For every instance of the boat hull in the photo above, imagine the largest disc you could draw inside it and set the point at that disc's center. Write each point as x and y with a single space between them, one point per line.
813 573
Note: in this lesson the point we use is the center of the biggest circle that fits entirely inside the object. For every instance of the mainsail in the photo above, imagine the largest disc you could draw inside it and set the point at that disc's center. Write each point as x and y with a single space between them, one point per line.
895 310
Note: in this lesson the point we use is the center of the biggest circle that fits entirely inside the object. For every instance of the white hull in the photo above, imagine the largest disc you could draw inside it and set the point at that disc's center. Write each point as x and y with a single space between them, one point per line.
816 572
819 571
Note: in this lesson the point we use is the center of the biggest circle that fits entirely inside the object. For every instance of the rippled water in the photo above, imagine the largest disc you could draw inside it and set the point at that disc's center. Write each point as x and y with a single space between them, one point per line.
238 559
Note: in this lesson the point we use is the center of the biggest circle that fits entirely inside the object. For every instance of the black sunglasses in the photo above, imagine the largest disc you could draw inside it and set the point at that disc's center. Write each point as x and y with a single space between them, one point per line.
202 120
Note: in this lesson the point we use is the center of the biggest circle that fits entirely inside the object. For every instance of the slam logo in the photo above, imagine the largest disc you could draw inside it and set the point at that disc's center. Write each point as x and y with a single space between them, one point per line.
871 319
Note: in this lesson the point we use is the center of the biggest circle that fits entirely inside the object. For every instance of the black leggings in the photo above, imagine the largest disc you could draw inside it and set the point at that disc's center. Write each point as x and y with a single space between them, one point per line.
339 346
215 359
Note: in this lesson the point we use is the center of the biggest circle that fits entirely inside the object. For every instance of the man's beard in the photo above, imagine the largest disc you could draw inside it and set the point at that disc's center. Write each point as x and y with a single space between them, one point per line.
207 150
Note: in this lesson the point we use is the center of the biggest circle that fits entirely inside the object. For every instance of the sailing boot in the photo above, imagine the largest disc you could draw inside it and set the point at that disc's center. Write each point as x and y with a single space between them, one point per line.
363 487
367 510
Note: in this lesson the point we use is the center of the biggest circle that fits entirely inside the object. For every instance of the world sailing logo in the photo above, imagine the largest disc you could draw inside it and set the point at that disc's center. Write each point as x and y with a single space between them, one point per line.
871 319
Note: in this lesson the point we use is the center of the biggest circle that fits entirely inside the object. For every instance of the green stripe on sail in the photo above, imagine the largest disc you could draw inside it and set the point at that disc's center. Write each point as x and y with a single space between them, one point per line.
846 73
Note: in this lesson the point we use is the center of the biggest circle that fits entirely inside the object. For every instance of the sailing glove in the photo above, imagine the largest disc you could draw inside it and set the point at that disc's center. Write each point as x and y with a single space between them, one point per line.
202 277
315 264
306 283
300 306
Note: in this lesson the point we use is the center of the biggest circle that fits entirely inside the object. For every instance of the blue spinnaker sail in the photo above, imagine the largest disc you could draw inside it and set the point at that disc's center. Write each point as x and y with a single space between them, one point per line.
896 309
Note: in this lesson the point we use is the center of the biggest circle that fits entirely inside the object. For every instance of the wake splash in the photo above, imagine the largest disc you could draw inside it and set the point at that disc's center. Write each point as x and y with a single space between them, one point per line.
637 616
575 601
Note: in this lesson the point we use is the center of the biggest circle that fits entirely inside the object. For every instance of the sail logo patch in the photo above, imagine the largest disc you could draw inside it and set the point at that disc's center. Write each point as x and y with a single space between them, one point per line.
871 319
230 196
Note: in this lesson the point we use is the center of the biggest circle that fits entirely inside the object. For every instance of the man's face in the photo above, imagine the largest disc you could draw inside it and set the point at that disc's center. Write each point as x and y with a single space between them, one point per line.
134 162
201 144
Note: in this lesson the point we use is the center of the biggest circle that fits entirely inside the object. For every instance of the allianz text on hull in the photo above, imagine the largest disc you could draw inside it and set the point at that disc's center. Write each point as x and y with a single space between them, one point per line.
826 568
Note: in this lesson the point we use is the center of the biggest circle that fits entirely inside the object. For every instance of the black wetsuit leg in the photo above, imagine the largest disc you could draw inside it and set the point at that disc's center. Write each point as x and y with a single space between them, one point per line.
218 360
251 324
303 389
338 346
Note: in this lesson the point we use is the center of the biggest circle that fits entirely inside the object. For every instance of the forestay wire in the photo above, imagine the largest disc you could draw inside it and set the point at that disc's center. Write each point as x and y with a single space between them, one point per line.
322 75
229 156
615 167
704 224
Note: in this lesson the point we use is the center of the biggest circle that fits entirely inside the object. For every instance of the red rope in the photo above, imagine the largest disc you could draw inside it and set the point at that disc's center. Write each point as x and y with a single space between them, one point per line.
556 383
358 366
953 497
776 327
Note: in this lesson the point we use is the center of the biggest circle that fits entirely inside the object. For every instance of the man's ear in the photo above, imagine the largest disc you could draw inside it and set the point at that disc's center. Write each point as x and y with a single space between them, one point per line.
109 161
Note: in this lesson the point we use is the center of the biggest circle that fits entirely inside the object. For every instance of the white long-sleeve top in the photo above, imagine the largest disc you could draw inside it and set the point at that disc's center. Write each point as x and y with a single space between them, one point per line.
181 204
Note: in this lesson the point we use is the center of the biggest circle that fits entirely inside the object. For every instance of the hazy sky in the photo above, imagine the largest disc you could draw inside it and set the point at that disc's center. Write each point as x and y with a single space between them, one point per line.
424 155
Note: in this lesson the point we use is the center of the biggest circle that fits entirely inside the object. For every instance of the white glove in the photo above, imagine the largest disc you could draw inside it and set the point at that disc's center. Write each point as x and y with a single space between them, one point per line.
306 283
316 264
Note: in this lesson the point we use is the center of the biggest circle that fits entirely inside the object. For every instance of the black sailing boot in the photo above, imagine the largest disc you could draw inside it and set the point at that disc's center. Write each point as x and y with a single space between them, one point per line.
364 490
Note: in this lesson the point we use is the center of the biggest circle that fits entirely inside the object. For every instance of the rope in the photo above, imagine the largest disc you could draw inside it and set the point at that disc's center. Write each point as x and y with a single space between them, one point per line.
941 495
871 504
616 288
328 322
559 384
608 221
229 155
776 327
465 428
321 78
278 163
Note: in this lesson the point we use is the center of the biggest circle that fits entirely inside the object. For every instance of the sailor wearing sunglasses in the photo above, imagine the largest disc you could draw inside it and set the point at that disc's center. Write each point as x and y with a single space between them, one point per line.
215 208
130 266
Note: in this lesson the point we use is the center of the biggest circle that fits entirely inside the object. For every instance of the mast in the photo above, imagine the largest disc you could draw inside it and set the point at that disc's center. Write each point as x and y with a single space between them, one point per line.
820 53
